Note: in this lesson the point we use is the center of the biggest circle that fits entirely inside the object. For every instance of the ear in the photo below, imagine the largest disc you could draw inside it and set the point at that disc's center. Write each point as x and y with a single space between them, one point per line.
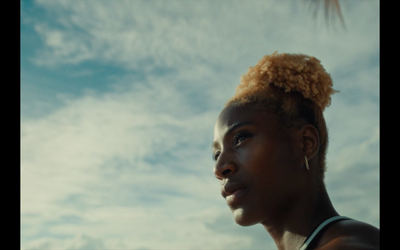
310 140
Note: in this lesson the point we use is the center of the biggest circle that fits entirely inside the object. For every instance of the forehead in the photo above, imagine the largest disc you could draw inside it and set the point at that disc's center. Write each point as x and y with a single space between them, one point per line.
231 116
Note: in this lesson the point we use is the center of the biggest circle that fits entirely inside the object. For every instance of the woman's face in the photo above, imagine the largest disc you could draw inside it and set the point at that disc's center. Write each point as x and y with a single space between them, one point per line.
257 163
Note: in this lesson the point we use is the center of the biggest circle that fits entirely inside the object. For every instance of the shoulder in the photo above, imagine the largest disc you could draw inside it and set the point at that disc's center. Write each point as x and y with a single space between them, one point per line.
349 234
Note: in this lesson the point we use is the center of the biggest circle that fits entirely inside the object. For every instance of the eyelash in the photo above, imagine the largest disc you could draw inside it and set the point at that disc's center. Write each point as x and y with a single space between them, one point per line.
238 136
236 142
215 156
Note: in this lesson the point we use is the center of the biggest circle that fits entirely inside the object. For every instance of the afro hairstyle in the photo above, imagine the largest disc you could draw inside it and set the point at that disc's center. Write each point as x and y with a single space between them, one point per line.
293 87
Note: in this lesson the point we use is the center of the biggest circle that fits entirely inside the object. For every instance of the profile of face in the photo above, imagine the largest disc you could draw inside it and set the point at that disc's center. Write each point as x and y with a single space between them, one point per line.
259 164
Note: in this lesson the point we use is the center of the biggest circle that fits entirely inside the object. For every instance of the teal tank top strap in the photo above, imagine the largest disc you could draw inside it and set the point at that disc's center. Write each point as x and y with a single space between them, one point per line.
319 228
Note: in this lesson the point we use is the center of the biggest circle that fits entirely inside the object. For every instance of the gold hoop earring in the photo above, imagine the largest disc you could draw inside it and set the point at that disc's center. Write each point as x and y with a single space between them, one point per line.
306 162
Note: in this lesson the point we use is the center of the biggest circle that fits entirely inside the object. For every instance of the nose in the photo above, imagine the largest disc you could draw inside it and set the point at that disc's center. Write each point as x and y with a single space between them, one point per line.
224 168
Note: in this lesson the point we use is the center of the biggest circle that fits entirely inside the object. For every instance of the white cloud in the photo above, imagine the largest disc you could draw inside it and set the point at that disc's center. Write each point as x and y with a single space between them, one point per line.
89 160
139 34
76 242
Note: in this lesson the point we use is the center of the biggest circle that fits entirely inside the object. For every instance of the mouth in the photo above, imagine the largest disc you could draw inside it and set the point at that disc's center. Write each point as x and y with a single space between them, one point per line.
233 191
235 196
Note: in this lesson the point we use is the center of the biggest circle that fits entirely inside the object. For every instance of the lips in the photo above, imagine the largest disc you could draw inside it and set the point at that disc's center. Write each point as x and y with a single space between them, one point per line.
232 191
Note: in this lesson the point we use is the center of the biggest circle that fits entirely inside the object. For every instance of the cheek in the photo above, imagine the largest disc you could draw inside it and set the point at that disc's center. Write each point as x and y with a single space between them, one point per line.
261 158
270 164
287 157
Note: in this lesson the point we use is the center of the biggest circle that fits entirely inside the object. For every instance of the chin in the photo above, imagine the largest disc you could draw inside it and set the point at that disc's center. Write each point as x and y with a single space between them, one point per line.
242 219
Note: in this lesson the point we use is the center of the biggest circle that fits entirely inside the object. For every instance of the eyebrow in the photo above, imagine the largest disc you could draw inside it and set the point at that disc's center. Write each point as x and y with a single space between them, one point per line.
231 128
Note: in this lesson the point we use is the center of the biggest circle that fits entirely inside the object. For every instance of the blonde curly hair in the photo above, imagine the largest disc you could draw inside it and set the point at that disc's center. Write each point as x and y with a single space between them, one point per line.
293 87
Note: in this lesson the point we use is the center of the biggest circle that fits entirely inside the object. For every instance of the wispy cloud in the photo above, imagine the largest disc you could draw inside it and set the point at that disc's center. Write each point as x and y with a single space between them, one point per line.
117 159
140 34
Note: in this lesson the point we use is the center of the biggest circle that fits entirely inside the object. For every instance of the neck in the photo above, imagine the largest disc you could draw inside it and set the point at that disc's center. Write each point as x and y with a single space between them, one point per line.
289 228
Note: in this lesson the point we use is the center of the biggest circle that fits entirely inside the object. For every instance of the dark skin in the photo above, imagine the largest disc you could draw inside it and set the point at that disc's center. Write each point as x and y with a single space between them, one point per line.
264 180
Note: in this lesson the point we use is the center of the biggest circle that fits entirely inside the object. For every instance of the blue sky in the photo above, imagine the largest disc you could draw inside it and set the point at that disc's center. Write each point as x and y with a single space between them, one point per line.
119 101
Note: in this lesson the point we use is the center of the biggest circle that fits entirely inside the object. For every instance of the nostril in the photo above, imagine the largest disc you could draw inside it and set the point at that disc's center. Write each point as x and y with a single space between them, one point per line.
226 171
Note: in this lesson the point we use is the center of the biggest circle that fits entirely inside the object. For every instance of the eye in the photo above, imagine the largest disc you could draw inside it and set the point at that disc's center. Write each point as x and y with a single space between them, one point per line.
240 137
215 155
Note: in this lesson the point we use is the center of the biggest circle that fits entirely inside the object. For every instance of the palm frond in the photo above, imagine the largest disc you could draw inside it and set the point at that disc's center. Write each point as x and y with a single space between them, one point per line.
331 9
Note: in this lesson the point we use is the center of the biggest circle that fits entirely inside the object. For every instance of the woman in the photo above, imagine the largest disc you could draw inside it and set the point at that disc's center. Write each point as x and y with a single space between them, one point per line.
269 145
